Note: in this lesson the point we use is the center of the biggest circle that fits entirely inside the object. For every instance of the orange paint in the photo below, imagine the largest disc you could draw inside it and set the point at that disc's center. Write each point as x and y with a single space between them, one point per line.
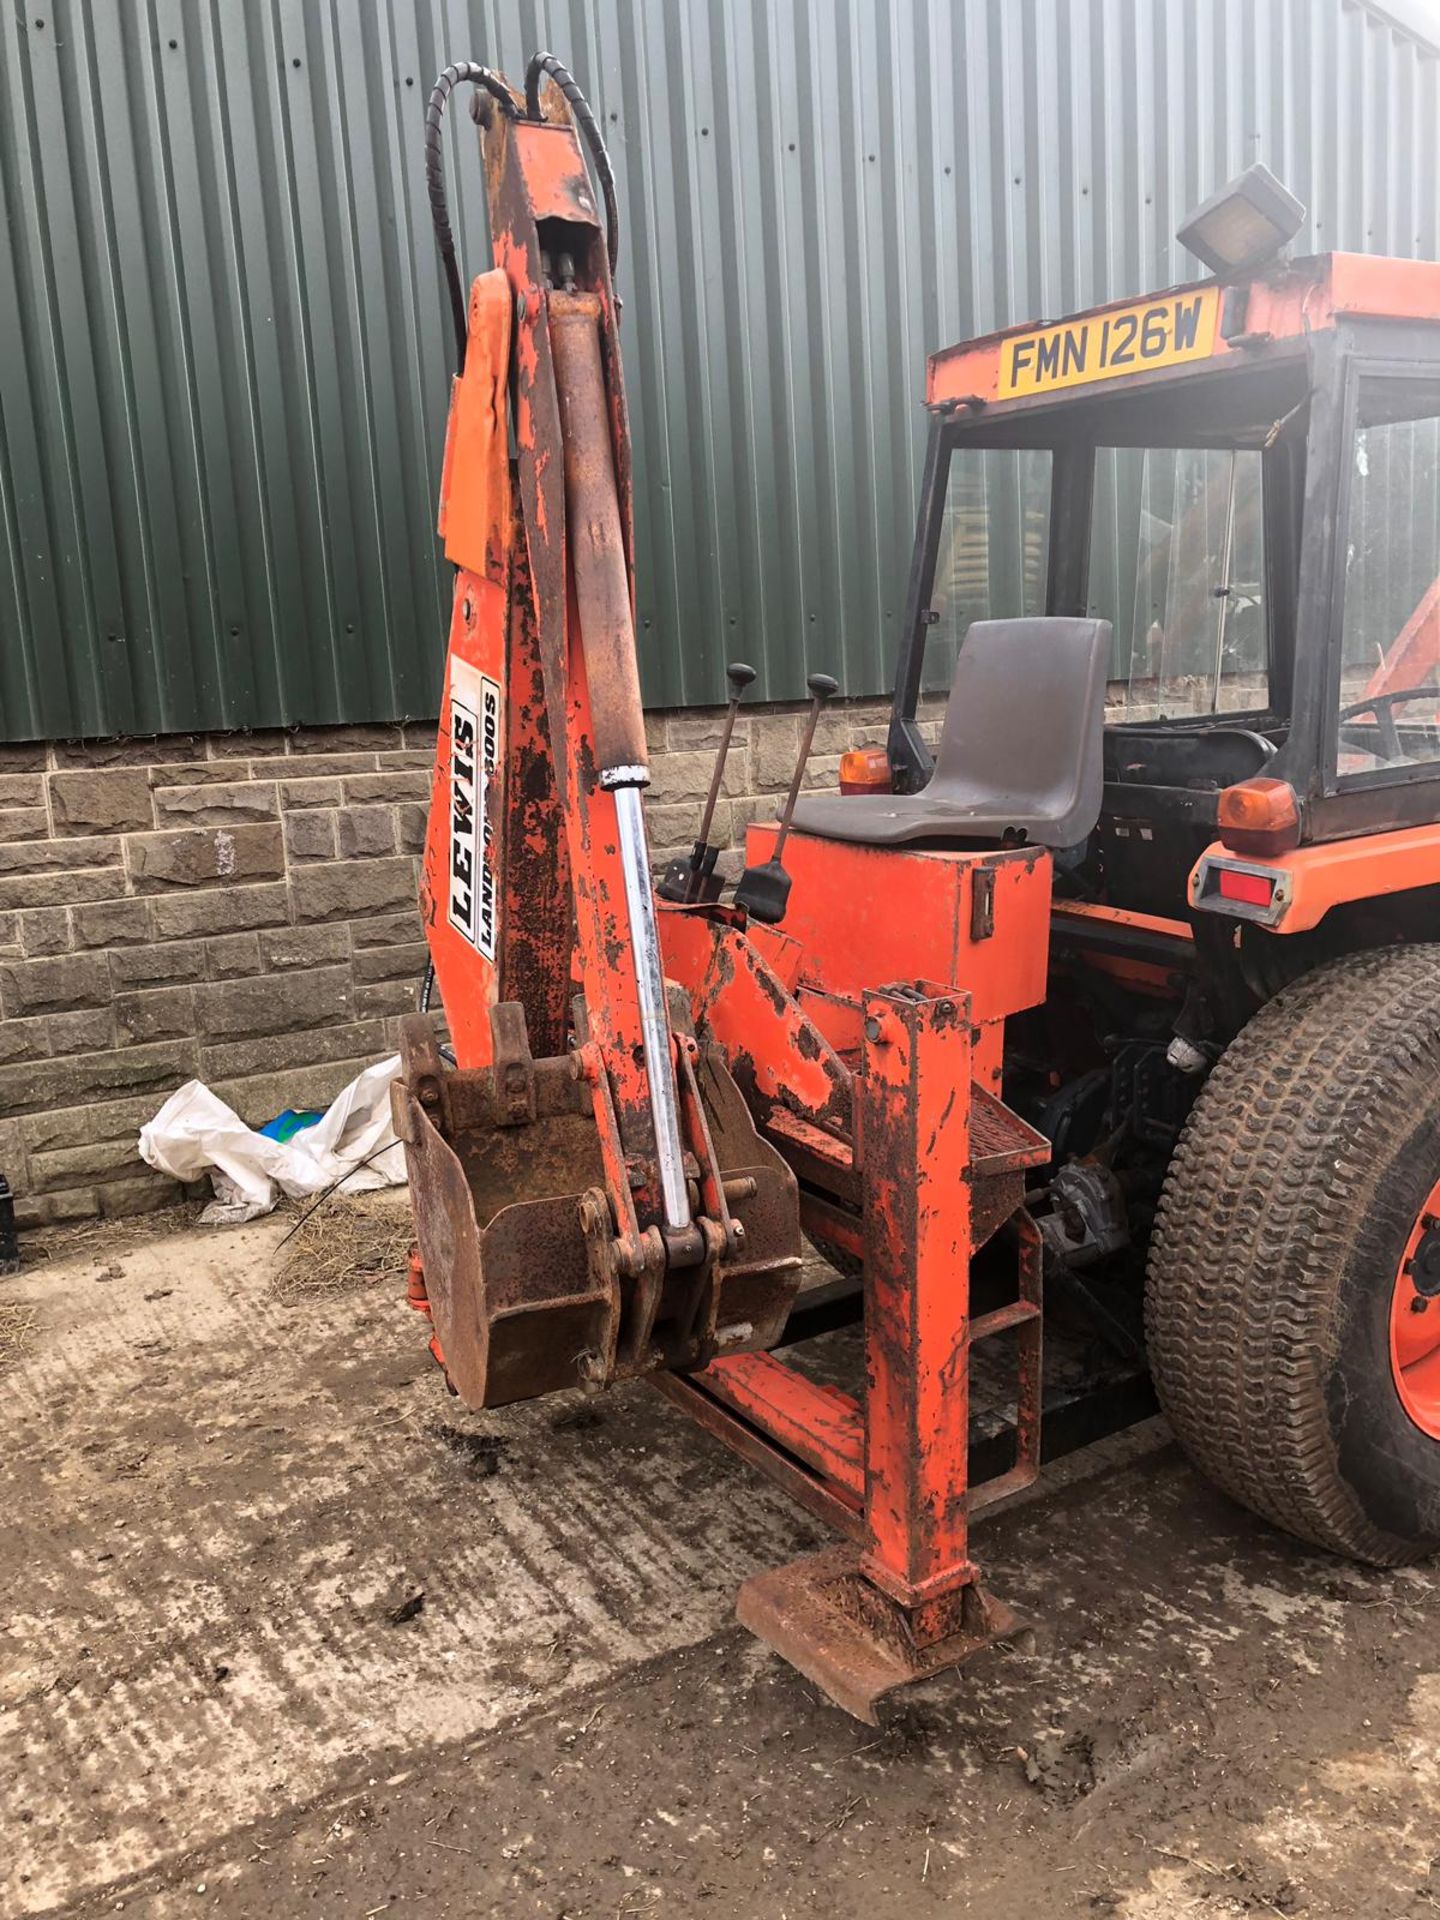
775 1052
475 481
1123 917
1415 1327
916 1090
843 913
1390 289
475 519
818 1424
553 172
1312 880
1286 303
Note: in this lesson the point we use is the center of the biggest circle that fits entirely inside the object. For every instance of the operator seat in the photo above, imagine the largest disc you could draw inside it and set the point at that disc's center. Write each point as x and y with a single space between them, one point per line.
1020 751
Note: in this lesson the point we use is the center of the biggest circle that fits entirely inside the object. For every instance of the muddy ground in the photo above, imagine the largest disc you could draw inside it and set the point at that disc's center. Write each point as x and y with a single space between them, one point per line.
288 1633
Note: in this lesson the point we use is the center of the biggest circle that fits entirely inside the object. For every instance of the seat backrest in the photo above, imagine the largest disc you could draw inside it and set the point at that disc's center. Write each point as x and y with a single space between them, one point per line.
1024 723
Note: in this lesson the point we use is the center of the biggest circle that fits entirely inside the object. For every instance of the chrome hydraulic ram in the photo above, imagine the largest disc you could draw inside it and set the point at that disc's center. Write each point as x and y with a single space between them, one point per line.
602 596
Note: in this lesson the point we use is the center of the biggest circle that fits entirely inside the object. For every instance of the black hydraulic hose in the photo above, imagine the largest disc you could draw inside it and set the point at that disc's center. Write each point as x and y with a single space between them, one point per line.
458 72
546 63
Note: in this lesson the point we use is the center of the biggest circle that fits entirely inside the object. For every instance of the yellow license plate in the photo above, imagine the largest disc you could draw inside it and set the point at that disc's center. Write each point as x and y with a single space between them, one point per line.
1103 346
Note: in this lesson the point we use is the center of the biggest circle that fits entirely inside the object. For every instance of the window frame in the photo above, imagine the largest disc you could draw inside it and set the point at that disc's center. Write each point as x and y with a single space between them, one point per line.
970 445
1286 482
1223 716
1359 371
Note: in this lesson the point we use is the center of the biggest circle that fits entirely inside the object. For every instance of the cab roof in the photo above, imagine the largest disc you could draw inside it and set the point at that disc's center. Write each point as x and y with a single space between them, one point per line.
1197 328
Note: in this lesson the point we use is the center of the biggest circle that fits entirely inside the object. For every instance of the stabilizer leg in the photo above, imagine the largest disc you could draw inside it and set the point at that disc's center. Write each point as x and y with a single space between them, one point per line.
865 1621
832 1624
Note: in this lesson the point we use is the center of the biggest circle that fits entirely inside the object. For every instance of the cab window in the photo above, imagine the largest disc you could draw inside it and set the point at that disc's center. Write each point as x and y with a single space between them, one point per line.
1388 710
993 557
1177 565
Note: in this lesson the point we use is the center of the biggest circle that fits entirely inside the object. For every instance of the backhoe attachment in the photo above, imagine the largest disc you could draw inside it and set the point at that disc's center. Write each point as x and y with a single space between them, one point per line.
602 1206
610 1177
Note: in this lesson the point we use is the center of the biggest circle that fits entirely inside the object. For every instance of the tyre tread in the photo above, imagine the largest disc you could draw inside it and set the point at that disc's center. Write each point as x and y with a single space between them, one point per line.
1274 1174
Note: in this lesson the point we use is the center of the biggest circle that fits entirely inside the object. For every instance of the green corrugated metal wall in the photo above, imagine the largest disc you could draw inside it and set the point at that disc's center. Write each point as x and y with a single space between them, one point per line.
223 351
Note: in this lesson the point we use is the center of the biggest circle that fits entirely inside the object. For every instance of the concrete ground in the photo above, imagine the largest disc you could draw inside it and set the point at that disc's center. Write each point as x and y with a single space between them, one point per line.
288 1632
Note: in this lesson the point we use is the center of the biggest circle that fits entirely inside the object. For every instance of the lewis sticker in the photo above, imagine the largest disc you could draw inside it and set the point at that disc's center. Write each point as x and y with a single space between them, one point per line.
474 756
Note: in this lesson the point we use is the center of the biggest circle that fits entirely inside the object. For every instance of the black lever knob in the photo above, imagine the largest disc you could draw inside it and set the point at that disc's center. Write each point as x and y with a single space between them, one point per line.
821 686
764 891
686 881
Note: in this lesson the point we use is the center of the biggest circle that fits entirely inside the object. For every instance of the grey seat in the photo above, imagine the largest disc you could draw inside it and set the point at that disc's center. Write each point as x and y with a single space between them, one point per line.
1020 751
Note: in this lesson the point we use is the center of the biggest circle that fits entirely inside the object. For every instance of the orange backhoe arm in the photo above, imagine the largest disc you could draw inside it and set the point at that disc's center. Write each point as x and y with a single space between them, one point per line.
542 680
575 1212
1414 655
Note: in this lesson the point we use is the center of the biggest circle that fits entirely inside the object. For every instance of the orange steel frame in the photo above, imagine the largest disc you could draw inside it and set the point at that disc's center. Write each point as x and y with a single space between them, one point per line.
850 1082
885 1103
550 855
868 1041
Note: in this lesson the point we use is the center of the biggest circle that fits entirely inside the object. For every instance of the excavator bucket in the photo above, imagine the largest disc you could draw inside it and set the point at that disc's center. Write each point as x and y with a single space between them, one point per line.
531 1285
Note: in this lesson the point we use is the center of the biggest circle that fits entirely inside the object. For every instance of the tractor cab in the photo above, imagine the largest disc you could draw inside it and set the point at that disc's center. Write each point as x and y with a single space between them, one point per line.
1243 481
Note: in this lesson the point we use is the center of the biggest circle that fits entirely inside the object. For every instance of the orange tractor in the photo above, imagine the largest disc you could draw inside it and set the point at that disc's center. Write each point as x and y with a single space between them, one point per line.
1110 1031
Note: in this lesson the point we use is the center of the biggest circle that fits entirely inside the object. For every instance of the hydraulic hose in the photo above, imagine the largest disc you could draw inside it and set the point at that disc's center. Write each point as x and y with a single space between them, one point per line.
546 63
454 75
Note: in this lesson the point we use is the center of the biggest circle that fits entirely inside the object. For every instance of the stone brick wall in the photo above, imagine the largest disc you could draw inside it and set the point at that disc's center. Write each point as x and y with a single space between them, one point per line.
242 909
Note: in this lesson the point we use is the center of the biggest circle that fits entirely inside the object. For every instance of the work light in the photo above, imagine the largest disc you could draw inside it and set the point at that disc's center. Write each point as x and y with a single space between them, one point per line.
1243 225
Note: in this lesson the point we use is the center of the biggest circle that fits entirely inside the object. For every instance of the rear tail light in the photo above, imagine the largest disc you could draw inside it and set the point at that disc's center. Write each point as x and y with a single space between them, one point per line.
1259 816
865 770
1254 889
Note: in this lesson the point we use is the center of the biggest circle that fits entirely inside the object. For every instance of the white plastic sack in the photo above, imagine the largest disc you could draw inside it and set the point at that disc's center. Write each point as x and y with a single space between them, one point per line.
353 1146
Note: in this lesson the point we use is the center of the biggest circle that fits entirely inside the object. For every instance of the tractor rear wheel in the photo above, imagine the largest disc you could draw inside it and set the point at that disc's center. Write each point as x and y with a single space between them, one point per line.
1293 1297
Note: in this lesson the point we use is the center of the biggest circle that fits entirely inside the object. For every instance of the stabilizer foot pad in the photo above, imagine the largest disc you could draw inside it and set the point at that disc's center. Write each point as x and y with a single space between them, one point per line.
826 1619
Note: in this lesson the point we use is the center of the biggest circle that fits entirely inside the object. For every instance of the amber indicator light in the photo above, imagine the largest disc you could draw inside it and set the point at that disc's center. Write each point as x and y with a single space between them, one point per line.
864 770
1259 816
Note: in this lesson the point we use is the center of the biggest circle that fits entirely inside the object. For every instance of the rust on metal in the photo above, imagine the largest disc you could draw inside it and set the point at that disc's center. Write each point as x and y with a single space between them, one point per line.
820 1425
760 1451
537 1272
825 1617
806 1088
535 890
775 1052
597 548
553 169
916 1122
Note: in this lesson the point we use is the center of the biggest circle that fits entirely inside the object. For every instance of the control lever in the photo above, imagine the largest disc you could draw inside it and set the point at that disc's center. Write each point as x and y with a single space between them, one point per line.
764 891
690 882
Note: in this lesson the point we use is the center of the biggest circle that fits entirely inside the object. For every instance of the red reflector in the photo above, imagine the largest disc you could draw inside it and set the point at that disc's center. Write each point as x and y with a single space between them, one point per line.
1255 889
